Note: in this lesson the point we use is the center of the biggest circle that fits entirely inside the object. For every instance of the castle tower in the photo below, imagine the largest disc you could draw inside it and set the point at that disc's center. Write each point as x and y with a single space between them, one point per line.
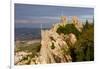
77 23
63 19
75 20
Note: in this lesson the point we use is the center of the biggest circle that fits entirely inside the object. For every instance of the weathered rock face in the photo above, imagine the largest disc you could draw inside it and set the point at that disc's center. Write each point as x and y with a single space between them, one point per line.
71 39
19 56
53 47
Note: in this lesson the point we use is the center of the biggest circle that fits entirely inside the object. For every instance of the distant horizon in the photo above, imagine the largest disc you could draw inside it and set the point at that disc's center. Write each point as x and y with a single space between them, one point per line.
31 16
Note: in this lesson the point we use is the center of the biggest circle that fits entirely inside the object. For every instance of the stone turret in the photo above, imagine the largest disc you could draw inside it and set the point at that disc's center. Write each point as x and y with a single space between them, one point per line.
75 20
63 20
77 23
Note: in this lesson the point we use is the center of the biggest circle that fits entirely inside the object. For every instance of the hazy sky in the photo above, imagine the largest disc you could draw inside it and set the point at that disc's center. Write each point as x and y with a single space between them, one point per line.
33 15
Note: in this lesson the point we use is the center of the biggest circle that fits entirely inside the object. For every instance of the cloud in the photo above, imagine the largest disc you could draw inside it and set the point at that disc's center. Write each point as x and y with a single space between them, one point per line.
21 21
50 19
86 16
44 19
82 18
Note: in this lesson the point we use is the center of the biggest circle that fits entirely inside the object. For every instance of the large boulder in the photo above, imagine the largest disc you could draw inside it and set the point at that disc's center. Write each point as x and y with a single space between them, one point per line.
71 39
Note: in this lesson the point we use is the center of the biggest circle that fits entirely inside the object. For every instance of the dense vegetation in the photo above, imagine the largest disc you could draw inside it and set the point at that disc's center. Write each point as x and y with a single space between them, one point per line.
84 47
68 28
83 50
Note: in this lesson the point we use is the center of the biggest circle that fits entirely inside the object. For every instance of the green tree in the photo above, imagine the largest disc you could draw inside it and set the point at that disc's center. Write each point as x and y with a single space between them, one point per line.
67 29
84 48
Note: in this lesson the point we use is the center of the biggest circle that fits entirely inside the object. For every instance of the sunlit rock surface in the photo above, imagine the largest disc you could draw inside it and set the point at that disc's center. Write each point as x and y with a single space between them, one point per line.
54 46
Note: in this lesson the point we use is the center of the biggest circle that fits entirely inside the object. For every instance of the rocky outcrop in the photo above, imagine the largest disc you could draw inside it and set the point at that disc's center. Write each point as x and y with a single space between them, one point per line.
52 49
55 47
19 56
